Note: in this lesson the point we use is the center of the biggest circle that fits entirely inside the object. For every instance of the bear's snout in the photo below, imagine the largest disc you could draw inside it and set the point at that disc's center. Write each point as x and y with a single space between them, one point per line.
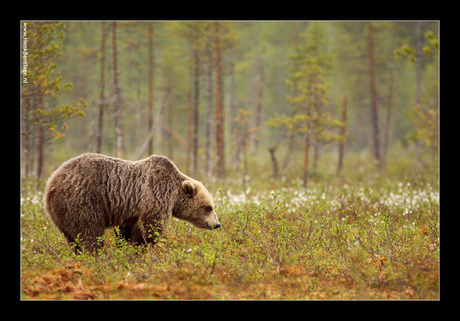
212 221
211 227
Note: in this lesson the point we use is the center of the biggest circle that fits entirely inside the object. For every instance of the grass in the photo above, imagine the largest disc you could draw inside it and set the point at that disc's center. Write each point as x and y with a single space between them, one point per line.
335 240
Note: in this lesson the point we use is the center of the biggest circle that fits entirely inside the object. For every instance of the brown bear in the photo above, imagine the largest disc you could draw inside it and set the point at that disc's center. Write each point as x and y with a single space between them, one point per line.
92 192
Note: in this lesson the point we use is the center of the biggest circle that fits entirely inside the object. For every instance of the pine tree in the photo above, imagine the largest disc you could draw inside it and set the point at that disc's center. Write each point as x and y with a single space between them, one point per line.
42 83
308 98
209 97
373 89
102 87
220 168
151 84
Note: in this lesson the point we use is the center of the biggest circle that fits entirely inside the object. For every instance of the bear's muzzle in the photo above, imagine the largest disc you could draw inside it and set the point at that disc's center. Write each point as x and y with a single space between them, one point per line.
211 227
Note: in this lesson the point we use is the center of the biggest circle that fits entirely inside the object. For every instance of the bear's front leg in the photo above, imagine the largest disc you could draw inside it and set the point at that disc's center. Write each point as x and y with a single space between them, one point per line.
145 232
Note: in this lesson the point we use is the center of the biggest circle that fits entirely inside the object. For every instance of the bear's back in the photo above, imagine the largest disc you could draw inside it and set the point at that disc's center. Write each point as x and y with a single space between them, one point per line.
90 166
96 174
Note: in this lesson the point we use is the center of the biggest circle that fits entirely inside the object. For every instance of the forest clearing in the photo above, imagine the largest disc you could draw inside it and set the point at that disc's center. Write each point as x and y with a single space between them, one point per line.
335 240
318 141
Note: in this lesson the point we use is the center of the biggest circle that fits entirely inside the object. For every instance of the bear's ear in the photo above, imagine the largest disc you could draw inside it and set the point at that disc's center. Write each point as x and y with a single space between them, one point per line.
188 188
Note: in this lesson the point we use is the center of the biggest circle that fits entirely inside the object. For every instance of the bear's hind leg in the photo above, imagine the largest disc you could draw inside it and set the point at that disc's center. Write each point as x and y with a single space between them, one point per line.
134 235
88 243
72 243
93 243
124 233
137 232
128 232
90 240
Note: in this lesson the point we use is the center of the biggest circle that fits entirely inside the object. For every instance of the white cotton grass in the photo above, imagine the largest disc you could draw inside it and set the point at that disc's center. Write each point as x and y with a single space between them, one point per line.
402 198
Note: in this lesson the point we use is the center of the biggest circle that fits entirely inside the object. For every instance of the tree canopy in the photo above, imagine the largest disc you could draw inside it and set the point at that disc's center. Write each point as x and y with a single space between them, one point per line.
290 75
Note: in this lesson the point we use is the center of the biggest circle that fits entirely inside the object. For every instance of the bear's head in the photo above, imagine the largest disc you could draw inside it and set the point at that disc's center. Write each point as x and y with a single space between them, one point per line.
194 204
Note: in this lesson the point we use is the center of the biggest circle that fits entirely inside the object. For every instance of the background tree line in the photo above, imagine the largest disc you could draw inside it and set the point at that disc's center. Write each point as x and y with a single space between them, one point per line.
214 95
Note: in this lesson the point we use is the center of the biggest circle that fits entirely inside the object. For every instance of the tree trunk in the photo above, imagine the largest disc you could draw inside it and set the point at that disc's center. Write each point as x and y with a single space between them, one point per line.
40 141
343 132
245 161
190 131
101 96
305 160
386 136
291 142
233 108
151 80
170 114
316 151
152 129
26 135
259 83
272 151
137 137
219 115
292 136
116 91
238 142
374 112
196 101
418 61
208 138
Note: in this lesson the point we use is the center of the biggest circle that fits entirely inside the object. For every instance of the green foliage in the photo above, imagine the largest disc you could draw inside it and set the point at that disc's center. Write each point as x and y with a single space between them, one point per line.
364 235
295 123
338 47
201 32
425 116
433 43
429 49
406 51
44 81
242 129
335 240
426 122
50 118
309 95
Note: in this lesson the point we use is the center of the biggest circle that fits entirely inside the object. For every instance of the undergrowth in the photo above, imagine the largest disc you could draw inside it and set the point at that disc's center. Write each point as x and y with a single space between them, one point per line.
337 239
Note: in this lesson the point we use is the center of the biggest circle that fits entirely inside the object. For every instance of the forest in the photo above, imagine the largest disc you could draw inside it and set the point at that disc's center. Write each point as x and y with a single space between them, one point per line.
314 126
214 91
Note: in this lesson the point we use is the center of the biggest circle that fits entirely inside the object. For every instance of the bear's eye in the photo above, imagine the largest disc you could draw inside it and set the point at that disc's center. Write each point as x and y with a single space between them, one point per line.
208 208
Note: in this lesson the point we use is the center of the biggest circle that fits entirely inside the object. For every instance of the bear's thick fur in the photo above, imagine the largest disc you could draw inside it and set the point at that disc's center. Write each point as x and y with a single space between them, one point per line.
92 192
